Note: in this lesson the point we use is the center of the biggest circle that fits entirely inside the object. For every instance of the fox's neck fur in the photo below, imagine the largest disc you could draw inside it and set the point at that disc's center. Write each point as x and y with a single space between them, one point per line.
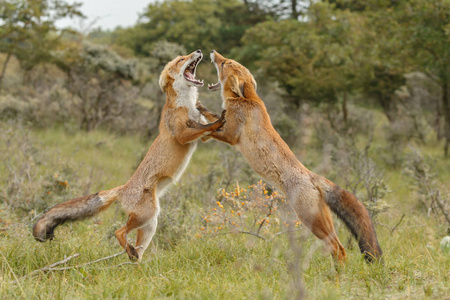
182 95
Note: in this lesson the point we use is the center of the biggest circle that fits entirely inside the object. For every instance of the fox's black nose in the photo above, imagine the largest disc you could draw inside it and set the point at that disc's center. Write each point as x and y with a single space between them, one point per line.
213 51
199 51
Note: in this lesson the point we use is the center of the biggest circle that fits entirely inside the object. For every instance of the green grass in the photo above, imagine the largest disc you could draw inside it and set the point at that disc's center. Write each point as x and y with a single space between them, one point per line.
224 267
98 151
227 266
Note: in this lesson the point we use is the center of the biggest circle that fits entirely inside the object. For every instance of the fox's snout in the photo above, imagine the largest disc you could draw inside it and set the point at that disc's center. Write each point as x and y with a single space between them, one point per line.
196 54
216 57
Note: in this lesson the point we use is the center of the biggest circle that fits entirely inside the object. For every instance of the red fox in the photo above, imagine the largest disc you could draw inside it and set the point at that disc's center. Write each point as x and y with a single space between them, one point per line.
250 130
179 129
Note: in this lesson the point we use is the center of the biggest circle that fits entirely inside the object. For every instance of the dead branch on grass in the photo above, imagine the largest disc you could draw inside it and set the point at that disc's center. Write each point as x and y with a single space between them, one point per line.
392 229
52 266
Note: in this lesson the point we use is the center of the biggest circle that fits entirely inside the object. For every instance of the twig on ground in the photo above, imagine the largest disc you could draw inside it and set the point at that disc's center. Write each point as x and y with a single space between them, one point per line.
392 229
398 223
35 217
100 259
254 234
52 266
261 237
48 268
121 264
384 225
282 232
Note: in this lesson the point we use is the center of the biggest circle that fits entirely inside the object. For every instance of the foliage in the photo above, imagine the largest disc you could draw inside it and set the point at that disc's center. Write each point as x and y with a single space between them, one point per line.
27 188
333 53
427 26
28 29
364 179
252 210
309 60
280 9
93 86
424 183
102 81
346 57
184 266
196 24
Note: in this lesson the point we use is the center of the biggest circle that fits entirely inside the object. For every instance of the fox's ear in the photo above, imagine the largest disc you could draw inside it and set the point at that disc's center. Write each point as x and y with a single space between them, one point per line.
163 82
237 86
254 82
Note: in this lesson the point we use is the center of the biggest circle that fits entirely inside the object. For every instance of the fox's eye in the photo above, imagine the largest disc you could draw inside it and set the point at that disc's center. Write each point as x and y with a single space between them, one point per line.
223 63
181 60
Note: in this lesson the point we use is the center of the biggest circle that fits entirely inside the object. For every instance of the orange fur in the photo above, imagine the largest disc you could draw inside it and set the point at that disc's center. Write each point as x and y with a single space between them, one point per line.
249 128
180 127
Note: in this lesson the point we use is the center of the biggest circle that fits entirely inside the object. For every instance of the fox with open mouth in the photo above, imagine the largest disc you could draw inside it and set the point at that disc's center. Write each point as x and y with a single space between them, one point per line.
180 128
250 130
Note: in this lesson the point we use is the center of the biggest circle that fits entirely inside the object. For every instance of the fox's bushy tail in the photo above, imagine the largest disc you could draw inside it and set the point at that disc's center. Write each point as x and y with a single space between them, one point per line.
356 217
72 210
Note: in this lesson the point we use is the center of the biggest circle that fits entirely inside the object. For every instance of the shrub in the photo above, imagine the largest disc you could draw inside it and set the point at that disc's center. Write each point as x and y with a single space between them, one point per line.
364 179
427 188
31 177
253 210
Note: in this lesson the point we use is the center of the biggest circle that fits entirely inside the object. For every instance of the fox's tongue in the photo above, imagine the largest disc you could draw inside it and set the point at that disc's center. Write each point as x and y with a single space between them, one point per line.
189 75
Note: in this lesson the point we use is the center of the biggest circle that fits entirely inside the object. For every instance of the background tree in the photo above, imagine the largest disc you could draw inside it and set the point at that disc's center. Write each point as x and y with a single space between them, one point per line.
29 32
427 36
312 61
385 56
196 24
281 9
98 77
111 89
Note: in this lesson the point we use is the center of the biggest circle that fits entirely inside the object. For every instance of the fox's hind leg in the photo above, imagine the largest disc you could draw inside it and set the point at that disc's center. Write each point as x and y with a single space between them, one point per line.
314 213
121 235
143 216
145 235
323 228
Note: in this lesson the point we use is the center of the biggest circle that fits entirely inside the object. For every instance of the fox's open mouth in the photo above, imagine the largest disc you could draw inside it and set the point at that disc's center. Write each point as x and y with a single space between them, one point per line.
189 72
214 86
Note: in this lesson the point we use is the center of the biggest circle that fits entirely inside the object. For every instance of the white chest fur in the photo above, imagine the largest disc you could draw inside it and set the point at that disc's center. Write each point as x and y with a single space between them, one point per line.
185 162
187 97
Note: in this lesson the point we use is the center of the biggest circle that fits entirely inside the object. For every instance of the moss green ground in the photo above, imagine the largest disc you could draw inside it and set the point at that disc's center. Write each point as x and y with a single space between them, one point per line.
227 266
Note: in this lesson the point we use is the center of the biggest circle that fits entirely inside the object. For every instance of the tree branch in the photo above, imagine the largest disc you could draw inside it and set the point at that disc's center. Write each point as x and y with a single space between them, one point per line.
254 234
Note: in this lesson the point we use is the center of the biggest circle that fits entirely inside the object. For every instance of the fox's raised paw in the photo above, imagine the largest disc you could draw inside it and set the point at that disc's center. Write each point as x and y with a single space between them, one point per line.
199 106
222 118
220 122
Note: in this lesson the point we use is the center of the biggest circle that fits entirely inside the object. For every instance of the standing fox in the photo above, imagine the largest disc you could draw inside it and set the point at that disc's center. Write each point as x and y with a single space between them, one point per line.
248 127
164 163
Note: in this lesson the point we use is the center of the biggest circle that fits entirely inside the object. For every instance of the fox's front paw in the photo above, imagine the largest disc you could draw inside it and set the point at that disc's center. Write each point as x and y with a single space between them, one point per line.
222 117
132 253
220 122
190 124
205 112
200 106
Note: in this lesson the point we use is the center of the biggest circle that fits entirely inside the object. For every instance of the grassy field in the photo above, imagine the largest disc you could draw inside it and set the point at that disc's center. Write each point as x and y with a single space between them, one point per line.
182 262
